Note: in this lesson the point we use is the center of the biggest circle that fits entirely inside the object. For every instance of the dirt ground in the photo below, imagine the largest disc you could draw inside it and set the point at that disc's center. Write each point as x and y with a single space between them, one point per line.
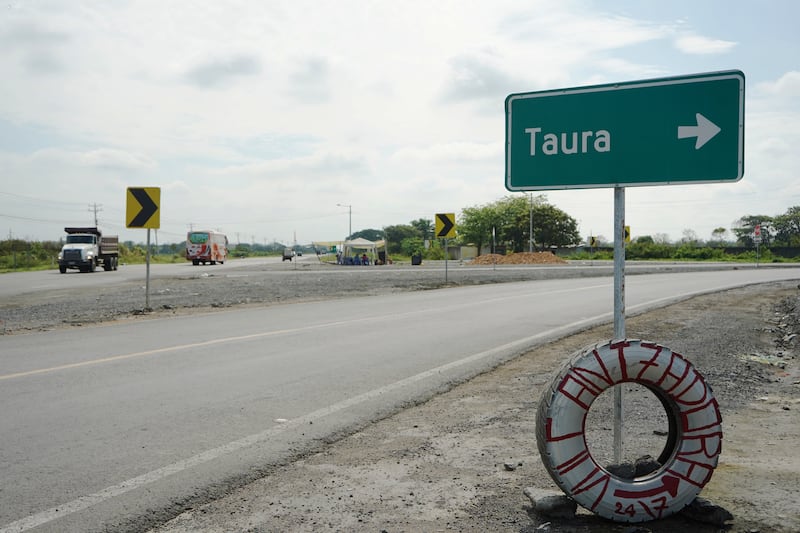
463 460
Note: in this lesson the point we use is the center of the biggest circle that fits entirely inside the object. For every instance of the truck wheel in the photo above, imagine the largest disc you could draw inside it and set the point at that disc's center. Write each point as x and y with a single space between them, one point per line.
692 447
116 263
62 269
92 267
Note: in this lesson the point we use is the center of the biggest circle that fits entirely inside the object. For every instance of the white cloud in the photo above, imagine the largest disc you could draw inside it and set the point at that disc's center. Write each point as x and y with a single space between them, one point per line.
579 28
118 159
321 165
217 72
103 158
451 152
310 80
699 45
787 86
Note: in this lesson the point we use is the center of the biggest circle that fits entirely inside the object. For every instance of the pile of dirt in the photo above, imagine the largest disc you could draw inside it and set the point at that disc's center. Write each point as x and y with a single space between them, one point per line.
522 258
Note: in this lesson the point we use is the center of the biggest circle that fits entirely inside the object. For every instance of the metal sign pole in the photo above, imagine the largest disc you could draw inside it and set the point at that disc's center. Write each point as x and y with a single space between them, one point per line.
147 275
619 308
530 226
445 259
758 242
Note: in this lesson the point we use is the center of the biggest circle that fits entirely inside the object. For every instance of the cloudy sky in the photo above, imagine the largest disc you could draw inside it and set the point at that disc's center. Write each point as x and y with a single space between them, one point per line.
280 119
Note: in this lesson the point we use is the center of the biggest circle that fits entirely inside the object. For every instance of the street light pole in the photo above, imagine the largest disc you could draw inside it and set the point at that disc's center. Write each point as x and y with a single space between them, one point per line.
349 218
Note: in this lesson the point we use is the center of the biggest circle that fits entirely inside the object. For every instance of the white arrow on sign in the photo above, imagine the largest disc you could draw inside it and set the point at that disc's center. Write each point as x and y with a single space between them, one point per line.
704 131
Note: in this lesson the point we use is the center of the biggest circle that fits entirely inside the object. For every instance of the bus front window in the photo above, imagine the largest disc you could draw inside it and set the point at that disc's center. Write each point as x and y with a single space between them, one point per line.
198 238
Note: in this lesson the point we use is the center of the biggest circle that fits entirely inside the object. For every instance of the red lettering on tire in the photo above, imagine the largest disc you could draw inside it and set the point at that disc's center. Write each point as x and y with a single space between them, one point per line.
692 447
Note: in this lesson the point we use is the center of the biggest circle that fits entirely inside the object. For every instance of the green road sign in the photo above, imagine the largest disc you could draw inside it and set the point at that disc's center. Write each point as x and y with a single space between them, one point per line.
680 130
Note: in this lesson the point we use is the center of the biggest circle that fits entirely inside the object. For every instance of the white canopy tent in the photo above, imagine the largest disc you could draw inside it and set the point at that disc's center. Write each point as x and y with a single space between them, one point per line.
359 246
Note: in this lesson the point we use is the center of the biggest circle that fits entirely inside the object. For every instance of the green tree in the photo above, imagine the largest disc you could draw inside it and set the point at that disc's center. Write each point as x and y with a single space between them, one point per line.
516 212
396 234
745 226
787 227
690 238
369 234
475 225
412 246
554 227
425 227
507 222
718 236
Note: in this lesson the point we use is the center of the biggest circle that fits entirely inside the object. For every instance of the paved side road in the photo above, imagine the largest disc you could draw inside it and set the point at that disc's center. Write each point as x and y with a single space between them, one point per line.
462 460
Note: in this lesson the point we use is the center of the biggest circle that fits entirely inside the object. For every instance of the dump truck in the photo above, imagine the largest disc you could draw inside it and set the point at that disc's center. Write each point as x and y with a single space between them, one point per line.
87 248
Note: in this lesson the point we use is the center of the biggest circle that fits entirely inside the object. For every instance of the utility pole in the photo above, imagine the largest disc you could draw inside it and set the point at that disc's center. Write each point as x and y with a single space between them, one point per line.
94 208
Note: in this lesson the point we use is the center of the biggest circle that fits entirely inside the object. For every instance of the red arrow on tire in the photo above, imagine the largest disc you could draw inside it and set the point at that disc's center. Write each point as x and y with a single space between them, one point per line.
670 485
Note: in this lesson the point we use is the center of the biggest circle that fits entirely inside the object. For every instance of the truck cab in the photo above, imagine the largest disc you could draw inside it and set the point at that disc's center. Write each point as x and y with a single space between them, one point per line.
86 248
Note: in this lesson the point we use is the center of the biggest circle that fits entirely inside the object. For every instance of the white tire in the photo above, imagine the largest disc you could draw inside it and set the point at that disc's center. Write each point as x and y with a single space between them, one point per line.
692 447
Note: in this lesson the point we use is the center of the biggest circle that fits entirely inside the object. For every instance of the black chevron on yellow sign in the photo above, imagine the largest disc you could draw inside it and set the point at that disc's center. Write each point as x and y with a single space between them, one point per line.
627 234
446 225
142 207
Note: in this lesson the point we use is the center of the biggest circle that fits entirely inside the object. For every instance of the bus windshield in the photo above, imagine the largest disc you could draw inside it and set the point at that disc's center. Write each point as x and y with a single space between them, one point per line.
198 238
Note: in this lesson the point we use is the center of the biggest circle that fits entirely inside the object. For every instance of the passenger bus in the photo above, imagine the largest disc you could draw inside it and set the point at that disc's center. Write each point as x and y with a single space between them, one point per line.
206 247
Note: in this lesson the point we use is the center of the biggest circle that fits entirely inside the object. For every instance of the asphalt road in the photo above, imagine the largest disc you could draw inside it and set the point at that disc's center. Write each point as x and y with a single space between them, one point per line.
112 427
